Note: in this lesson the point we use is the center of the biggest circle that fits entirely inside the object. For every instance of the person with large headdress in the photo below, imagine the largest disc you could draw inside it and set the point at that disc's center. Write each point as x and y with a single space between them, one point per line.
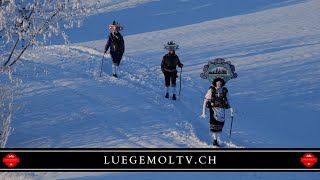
217 101
169 65
116 45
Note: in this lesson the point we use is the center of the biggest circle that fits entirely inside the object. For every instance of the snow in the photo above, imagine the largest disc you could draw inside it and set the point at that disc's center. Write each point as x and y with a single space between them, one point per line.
160 15
275 50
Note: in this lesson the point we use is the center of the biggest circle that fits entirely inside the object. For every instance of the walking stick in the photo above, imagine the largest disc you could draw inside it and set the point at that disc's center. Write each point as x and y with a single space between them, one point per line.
231 127
102 64
180 83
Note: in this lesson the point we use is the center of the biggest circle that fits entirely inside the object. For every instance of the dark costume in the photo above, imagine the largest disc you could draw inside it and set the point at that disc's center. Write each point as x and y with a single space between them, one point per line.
168 67
169 64
116 45
217 101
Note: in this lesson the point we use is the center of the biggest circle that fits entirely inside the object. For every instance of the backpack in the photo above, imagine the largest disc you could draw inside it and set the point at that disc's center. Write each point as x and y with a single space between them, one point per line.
221 102
171 61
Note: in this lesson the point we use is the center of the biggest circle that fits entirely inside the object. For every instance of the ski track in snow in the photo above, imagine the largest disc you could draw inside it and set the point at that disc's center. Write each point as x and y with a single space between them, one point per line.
171 131
135 76
276 54
149 85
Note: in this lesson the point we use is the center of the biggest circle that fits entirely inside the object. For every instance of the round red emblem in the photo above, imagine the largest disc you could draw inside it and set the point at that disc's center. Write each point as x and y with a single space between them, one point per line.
11 160
308 160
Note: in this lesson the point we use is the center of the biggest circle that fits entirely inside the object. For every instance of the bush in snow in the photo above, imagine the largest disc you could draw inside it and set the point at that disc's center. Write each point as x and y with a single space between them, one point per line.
6 112
27 23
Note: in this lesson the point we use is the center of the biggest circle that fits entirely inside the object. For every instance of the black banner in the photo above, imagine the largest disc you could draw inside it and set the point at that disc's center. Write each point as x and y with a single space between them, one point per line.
160 160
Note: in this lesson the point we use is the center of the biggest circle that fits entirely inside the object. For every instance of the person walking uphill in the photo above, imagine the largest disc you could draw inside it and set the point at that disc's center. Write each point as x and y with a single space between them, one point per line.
217 101
116 45
169 64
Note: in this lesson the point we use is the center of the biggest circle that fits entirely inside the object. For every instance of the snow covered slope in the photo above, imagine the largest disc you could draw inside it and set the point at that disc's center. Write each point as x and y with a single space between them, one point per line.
276 96
152 15
276 53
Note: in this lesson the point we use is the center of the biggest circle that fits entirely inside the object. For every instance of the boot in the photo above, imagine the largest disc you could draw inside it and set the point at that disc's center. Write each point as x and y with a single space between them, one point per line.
174 97
215 143
167 95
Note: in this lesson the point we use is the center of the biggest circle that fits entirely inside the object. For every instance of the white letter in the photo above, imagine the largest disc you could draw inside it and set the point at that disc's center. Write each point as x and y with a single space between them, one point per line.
212 160
201 162
124 160
164 158
189 160
134 160
179 157
170 160
105 160
113 161
151 161
142 160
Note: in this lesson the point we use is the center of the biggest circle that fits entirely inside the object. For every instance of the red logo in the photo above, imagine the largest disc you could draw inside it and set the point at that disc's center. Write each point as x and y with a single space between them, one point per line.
11 160
309 160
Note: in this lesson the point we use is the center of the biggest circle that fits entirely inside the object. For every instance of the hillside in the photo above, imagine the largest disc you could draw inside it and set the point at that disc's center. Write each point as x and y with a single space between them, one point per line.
276 96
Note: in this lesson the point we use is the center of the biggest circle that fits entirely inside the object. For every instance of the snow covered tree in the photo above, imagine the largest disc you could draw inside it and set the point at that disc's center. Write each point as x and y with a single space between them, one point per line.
28 23
6 112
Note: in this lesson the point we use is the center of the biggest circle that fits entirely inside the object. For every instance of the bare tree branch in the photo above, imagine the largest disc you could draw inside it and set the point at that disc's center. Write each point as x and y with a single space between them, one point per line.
12 50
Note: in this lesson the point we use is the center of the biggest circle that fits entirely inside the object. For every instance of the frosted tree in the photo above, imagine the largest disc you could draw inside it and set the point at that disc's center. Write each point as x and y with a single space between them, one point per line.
28 23
6 111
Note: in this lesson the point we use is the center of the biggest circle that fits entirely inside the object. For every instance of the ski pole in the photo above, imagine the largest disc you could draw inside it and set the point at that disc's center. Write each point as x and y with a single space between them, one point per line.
180 83
102 64
231 127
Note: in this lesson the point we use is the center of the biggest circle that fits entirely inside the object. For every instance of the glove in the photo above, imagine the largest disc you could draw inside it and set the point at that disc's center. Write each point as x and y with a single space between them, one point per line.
203 115
208 104
181 65
231 112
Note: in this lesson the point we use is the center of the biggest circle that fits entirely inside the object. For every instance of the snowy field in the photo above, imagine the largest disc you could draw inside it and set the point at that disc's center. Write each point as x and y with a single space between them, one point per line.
275 48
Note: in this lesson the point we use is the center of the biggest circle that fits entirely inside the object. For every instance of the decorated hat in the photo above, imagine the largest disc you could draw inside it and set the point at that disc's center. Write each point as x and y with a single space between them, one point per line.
219 70
171 46
115 26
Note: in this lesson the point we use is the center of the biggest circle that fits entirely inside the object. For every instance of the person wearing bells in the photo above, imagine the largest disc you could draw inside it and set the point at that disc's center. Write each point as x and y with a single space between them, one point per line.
169 65
116 45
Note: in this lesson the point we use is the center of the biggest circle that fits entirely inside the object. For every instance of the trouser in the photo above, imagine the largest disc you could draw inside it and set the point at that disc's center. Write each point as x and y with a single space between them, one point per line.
116 59
170 76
